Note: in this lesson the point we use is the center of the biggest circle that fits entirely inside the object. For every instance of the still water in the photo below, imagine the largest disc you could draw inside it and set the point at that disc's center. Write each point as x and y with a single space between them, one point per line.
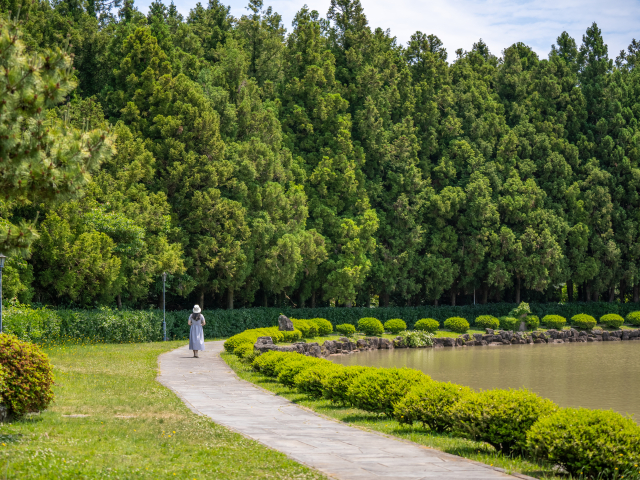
591 375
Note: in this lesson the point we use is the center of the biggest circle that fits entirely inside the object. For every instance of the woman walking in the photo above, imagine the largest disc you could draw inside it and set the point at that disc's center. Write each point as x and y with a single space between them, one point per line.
196 336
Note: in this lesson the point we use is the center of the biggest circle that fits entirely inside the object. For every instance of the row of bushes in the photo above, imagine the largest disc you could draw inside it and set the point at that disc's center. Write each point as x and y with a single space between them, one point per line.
47 326
585 442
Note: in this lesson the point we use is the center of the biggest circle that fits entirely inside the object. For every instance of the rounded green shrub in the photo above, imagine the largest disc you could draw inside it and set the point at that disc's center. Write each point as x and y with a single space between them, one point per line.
395 325
633 318
377 389
336 383
346 329
243 350
288 370
583 321
587 442
427 325
487 321
309 329
501 418
28 376
554 321
310 381
612 320
508 323
456 324
324 325
251 335
532 322
430 404
267 362
290 336
370 326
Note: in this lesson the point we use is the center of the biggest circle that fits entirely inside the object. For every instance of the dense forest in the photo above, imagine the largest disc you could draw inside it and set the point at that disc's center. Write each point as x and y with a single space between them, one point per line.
319 164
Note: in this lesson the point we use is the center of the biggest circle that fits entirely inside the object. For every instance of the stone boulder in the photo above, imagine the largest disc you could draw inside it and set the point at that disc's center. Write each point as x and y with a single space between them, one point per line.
284 324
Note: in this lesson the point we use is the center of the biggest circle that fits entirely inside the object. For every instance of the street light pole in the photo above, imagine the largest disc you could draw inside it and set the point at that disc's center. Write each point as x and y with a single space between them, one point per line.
164 312
2 259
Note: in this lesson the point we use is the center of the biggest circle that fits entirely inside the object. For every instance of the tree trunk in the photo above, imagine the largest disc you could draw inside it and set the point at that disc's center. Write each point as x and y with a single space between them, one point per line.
570 290
623 290
518 282
636 293
587 293
367 303
119 302
453 297
313 299
265 299
202 300
230 299
385 299
612 294
300 299
435 302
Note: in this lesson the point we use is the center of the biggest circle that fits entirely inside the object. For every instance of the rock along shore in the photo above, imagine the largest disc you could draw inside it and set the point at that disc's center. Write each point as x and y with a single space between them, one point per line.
490 338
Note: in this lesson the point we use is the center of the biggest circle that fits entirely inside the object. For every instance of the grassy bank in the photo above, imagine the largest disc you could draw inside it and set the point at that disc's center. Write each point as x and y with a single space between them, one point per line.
133 428
478 451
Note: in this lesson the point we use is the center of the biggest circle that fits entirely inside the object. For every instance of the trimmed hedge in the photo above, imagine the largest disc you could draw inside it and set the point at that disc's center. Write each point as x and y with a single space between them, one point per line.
427 325
633 318
27 376
324 325
310 381
612 320
583 321
554 321
307 328
456 324
346 329
370 326
336 384
586 442
250 336
532 322
395 325
508 323
487 321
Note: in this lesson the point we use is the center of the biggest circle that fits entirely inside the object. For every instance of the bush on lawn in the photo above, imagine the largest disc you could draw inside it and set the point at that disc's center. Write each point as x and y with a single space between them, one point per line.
633 318
250 336
427 325
487 321
554 321
287 370
532 322
324 325
612 320
395 325
337 382
417 338
456 324
508 323
267 362
346 329
28 376
370 326
583 321
243 350
310 381
377 389
501 418
587 442
430 404
309 329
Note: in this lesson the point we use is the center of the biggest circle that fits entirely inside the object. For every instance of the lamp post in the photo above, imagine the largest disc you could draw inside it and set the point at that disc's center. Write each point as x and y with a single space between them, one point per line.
2 259
164 312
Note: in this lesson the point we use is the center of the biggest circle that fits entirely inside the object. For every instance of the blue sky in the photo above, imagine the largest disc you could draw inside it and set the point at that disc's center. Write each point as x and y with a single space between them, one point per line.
499 23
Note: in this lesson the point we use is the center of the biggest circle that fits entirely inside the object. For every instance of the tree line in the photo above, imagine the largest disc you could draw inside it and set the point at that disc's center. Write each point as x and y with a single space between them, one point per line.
320 164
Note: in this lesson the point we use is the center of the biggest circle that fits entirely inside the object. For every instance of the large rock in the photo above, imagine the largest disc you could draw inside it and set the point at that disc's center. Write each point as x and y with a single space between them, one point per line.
284 324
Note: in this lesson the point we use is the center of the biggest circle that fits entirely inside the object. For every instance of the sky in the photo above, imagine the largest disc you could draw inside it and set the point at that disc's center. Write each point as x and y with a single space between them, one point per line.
460 23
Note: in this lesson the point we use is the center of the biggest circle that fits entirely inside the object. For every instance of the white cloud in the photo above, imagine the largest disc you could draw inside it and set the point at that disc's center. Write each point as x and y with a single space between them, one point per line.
500 23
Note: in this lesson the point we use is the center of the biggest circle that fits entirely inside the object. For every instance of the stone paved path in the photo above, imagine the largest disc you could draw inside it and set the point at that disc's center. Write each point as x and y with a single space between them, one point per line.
210 387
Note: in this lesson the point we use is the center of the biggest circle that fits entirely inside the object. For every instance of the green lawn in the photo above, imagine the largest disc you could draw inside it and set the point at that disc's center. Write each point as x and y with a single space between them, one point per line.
478 451
135 427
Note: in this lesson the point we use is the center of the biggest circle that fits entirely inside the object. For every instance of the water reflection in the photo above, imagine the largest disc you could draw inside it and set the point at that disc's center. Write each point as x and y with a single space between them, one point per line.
591 375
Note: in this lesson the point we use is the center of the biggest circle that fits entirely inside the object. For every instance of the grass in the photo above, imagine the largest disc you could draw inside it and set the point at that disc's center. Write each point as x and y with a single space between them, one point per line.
134 428
473 450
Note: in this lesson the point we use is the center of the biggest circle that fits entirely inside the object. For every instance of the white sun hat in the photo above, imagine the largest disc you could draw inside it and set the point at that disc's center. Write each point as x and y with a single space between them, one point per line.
196 309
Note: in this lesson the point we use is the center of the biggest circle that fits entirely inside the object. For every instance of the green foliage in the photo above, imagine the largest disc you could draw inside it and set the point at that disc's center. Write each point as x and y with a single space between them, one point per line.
288 369
456 324
509 323
583 321
336 383
501 418
311 380
487 321
324 325
395 325
532 322
612 320
346 329
370 326
308 328
427 325
244 350
417 338
587 442
554 321
251 336
430 404
378 389
520 310
633 318
28 376
268 361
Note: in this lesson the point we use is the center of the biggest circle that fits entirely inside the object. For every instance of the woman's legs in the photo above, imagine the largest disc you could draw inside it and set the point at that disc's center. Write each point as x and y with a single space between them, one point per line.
195 354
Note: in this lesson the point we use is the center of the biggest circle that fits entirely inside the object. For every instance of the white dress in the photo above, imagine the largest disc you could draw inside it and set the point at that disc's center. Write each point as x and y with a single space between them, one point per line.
196 336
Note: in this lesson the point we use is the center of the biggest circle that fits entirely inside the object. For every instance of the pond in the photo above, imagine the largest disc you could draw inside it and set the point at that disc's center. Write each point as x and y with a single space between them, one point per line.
591 375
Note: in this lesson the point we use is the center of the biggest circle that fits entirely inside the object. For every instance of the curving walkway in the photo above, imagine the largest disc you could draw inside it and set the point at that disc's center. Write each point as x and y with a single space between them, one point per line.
210 387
